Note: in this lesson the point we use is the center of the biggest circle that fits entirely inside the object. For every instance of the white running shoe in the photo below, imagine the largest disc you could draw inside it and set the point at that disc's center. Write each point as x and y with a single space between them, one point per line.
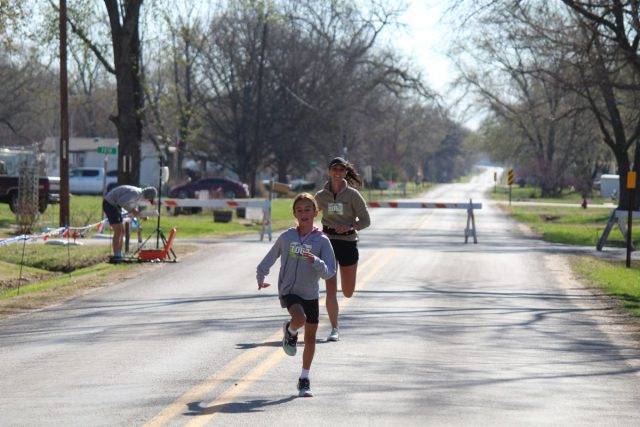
289 341
334 335
304 388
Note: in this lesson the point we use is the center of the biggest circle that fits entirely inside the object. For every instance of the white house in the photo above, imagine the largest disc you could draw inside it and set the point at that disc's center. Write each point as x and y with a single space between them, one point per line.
83 152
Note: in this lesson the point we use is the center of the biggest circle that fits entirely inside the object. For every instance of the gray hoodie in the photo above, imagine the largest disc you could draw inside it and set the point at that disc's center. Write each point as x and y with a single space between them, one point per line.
297 276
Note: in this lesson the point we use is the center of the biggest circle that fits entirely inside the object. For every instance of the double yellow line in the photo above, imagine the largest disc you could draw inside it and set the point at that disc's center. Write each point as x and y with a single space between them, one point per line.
373 265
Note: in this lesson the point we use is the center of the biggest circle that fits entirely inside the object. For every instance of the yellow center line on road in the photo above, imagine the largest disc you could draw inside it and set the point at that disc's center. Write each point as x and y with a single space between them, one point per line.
213 408
210 383
196 393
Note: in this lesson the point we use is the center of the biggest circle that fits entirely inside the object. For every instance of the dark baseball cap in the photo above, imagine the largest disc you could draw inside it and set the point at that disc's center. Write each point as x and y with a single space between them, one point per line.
337 161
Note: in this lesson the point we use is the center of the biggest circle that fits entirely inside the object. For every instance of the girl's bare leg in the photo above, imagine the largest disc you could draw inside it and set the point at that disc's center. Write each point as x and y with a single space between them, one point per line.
309 344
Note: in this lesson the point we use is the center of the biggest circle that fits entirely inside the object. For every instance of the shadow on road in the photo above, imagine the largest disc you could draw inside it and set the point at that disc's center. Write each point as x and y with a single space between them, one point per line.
196 408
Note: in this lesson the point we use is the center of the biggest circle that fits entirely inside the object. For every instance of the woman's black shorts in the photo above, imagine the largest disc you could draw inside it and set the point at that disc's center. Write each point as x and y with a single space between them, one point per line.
310 306
346 251
113 213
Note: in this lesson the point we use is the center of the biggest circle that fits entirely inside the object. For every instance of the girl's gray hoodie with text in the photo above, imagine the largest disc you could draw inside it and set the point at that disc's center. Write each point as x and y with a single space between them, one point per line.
298 276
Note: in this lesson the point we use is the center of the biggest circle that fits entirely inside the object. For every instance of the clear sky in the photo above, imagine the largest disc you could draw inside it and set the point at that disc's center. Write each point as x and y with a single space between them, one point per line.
425 40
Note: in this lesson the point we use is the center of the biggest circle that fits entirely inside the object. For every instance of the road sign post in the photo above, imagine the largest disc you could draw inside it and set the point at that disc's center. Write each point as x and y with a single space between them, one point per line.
631 186
106 151
510 178
495 181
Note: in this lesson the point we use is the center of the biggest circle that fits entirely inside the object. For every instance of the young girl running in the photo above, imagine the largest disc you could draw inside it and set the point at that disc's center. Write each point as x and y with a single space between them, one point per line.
344 212
305 257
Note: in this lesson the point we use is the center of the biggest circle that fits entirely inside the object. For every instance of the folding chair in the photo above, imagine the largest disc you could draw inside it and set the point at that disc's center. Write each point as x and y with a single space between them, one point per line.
166 254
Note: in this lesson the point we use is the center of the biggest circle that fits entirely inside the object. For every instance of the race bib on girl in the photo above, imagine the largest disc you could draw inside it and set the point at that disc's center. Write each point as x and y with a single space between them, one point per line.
336 208
296 249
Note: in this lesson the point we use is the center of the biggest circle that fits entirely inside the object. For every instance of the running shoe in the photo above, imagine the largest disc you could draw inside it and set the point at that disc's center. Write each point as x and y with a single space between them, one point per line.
334 335
115 259
304 387
289 341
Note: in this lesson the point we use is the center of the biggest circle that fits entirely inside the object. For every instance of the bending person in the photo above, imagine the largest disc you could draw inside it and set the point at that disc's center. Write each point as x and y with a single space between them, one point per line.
344 212
125 197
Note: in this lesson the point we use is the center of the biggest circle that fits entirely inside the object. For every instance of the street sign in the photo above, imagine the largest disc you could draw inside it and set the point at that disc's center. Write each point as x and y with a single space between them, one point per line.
511 176
107 150
631 180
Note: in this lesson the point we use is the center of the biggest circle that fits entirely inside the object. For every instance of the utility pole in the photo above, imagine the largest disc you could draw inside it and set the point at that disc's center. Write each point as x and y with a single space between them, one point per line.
64 119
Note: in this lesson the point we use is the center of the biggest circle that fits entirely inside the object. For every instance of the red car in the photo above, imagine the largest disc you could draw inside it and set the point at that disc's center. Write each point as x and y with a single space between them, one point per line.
230 189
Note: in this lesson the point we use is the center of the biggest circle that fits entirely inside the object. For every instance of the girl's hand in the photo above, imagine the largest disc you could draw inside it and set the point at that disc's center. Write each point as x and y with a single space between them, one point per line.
309 257
263 285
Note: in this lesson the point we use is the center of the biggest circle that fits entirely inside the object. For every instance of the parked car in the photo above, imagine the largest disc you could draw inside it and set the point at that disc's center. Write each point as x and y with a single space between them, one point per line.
90 180
230 189
9 192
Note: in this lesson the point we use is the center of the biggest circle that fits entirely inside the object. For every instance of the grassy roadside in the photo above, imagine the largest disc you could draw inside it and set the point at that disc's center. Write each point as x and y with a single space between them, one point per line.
533 194
40 287
614 278
576 226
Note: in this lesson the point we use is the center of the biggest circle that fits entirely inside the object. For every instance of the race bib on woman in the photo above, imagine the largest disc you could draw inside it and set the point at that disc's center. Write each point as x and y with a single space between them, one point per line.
336 208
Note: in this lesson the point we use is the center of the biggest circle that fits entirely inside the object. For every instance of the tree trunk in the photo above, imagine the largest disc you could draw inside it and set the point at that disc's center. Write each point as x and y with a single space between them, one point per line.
282 171
126 51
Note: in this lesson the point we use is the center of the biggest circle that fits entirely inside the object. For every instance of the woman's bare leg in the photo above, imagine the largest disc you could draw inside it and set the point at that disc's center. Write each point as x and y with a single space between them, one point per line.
332 300
348 279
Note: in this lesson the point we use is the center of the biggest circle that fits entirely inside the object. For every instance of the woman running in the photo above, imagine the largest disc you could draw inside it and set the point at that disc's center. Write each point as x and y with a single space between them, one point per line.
344 212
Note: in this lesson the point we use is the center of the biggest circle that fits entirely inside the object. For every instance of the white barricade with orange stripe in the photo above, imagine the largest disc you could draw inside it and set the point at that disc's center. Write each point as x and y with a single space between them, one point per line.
263 204
470 229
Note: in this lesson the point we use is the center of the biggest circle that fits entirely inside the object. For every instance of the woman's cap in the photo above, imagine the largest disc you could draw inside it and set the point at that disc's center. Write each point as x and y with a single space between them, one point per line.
337 161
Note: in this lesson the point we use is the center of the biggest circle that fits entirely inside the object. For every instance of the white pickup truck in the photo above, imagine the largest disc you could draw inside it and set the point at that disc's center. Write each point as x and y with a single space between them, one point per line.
89 180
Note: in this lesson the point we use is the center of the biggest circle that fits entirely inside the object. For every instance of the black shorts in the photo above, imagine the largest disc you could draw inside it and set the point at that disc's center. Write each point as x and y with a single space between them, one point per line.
346 252
113 213
310 306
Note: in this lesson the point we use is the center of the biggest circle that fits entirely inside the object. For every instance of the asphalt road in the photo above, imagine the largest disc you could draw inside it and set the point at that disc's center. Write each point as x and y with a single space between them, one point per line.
438 333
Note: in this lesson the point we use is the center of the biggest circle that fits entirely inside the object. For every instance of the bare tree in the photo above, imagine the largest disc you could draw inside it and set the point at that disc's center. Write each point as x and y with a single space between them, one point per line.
123 18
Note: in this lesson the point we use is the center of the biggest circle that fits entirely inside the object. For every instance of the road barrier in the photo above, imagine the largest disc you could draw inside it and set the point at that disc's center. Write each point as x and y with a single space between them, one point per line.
470 229
263 204
617 217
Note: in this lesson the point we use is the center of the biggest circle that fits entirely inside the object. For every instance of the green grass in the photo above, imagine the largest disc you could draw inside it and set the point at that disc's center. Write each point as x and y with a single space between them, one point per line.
533 194
10 275
559 224
55 257
88 210
614 278
61 280
572 226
